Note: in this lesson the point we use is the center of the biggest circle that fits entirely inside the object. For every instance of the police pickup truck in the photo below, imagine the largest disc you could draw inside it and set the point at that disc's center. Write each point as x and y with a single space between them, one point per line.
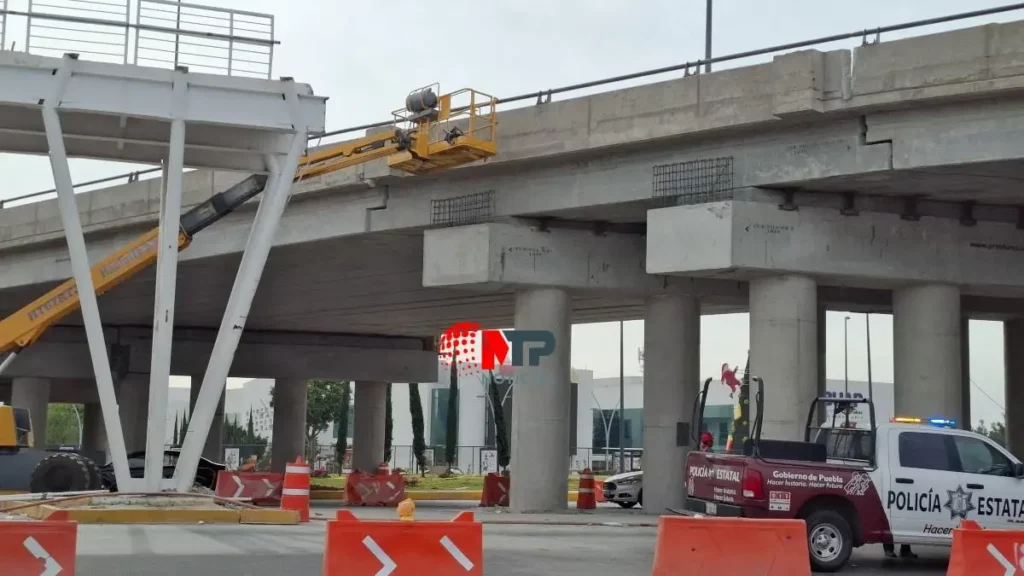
909 481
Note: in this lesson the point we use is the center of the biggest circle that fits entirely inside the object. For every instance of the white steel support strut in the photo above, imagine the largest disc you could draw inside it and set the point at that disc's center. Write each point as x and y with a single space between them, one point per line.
83 276
166 279
254 258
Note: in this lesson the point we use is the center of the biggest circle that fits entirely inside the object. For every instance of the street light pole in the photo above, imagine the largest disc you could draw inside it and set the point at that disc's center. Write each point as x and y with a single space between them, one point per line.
846 356
707 37
622 399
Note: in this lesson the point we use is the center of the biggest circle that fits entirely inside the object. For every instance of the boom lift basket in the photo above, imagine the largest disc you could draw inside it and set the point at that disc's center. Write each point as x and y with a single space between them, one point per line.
447 131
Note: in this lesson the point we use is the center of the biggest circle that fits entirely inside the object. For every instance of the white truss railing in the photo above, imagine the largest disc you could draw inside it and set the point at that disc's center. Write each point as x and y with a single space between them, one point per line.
163 34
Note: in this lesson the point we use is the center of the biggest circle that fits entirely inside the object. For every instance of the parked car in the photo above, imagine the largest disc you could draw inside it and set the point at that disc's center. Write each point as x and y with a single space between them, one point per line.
206 473
626 489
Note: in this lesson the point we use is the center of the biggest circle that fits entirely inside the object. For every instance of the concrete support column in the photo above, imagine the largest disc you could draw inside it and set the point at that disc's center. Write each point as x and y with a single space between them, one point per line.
926 351
540 406
94 436
965 374
784 351
133 405
33 394
368 426
1013 342
671 384
289 434
214 447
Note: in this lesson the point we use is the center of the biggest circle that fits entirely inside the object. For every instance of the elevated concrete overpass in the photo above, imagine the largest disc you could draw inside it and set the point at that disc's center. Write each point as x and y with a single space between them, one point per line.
882 178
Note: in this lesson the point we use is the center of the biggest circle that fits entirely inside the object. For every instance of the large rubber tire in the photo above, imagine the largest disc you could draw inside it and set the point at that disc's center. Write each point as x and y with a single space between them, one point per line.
626 504
95 479
61 472
829 540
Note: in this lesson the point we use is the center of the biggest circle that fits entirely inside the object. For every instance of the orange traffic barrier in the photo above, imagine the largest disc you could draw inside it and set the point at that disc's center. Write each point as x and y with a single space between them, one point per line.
978 551
374 490
295 494
585 499
495 492
707 547
403 548
599 490
261 487
33 548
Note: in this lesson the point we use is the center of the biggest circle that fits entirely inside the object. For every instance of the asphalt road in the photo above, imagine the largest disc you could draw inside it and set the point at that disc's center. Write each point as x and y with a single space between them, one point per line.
509 550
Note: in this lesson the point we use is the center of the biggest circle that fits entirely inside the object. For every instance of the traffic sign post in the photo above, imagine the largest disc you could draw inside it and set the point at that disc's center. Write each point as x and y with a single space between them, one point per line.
38 548
414 548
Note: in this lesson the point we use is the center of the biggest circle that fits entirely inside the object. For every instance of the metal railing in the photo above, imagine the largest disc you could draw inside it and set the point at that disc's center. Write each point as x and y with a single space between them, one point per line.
204 38
544 96
165 33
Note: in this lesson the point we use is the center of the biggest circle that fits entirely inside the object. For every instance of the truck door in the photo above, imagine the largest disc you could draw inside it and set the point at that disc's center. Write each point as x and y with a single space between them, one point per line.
925 496
987 473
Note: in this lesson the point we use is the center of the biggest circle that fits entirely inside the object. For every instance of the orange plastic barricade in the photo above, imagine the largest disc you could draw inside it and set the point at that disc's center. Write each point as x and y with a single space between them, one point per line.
495 492
707 547
415 548
295 493
374 489
585 495
599 490
38 548
981 552
263 488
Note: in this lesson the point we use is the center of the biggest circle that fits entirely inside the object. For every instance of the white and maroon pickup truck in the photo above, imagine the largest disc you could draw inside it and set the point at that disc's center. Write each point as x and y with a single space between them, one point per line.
910 482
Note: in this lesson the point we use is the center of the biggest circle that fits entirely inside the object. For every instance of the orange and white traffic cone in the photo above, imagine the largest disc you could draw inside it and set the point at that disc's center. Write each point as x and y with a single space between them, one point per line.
585 499
384 469
295 492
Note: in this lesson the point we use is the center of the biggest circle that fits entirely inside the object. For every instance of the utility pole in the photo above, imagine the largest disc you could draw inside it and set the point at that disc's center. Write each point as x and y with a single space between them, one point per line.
846 356
622 399
867 324
707 38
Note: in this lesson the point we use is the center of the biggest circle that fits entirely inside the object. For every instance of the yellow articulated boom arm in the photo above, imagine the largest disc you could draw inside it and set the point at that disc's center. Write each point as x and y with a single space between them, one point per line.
430 135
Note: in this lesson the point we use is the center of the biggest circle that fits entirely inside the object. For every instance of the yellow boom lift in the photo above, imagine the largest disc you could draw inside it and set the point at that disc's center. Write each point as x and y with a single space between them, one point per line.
432 133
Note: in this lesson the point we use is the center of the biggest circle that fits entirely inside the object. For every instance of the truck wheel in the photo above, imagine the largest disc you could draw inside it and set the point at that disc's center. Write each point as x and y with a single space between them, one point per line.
95 479
829 540
61 472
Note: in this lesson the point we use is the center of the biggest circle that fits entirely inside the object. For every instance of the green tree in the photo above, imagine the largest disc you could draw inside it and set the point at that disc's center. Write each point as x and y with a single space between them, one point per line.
61 424
323 406
419 444
250 430
184 425
177 430
346 405
451 437
500 433
388 426
996 432
234 434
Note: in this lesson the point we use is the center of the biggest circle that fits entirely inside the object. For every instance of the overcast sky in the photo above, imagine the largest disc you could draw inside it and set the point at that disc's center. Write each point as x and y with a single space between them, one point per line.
366 55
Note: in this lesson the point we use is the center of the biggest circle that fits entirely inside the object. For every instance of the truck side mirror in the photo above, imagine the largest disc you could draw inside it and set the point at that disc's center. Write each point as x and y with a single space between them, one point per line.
1018 470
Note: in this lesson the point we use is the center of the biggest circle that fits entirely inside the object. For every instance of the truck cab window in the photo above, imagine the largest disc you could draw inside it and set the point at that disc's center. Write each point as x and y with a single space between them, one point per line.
978 457
925 451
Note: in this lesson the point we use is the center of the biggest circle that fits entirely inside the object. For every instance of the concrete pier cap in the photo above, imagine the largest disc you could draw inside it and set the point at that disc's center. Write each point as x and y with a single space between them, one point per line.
751 235
511 254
